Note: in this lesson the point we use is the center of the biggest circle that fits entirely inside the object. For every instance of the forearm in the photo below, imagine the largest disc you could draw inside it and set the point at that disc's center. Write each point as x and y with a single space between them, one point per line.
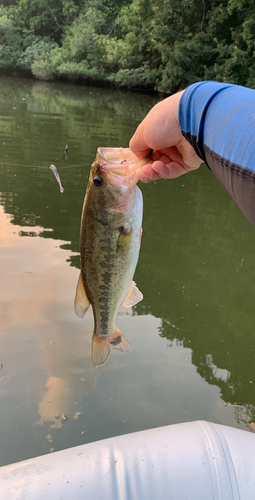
218 120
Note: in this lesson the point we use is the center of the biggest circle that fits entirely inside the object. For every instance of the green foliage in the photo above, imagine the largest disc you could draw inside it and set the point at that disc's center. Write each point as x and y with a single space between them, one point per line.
42 17
40 46
10 41
155 44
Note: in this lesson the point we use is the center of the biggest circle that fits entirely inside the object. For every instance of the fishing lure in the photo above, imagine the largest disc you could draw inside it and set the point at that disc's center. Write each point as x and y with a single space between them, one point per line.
55 172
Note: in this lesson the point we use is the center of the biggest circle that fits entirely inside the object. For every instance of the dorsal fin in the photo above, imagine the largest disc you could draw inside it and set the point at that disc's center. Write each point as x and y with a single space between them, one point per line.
81 302
133 297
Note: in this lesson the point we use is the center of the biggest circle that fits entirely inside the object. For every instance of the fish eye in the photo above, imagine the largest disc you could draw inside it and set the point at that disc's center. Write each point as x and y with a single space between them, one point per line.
98 181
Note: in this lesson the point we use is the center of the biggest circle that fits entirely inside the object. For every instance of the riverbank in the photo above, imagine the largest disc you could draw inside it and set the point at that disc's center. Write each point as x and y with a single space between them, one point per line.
87 80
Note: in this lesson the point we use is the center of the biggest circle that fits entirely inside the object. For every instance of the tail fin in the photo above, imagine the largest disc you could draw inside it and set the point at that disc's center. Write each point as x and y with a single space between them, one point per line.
102 346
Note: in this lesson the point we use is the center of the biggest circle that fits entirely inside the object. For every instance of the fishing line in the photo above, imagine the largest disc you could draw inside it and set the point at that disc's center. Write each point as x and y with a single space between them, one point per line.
39 166
20 165
189 159
73 166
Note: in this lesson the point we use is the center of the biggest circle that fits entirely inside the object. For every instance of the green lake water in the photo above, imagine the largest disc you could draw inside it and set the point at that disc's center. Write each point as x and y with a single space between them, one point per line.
192 337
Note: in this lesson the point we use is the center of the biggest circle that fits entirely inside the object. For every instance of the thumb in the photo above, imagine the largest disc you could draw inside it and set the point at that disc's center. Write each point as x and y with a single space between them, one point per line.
138 145
189 156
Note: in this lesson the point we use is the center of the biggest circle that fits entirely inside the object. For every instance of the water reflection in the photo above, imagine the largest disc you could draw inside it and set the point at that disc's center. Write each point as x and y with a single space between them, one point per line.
207 302
191 337
53 402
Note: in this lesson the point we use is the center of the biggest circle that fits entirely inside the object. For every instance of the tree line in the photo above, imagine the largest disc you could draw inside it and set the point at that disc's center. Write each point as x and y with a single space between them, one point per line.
160 45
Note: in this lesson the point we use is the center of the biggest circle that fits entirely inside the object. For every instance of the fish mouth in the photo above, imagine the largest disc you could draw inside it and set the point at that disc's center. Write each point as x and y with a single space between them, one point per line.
120 161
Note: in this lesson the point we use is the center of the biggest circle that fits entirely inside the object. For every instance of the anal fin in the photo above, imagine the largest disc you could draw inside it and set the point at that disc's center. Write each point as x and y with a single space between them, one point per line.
81 301
133 297
102 346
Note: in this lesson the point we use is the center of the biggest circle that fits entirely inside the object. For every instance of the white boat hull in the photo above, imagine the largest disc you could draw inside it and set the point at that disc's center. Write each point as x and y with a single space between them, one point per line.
193 461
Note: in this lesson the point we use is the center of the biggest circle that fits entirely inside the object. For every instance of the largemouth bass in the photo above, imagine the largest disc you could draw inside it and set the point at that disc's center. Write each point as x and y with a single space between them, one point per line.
110 239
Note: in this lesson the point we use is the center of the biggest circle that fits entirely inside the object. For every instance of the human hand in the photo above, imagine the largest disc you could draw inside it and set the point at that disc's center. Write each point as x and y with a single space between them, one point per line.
172 155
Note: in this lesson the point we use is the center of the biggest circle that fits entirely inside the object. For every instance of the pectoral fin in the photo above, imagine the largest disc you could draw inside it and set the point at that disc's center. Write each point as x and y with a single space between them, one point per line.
81 302
124 240
133 297
102 346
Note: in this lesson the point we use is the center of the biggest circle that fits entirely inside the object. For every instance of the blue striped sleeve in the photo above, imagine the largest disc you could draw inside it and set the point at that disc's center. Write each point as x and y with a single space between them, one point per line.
218 120
221 117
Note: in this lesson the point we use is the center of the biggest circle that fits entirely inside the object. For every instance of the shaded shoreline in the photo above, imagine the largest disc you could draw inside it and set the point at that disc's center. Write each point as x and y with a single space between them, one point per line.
88 81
